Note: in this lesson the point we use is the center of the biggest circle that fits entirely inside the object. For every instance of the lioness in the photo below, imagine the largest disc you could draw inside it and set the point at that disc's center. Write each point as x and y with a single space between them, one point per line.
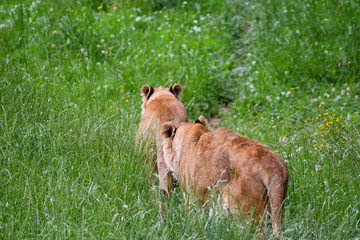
160 105
246 172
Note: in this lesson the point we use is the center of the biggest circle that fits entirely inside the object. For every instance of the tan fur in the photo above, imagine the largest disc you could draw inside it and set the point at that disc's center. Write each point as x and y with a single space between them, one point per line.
159 105
247 173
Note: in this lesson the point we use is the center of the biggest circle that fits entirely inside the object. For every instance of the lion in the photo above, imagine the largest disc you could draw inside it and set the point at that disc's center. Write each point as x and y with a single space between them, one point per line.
159 105
247 173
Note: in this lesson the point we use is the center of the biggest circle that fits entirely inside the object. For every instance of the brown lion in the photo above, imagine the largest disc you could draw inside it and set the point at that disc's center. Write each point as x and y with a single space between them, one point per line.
247 173
159 105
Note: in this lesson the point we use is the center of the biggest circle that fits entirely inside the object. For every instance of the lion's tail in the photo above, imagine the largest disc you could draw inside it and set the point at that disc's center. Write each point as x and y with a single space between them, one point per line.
277 190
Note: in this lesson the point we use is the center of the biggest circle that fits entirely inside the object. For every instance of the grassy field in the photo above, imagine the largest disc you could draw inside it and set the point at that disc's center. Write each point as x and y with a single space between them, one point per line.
70 75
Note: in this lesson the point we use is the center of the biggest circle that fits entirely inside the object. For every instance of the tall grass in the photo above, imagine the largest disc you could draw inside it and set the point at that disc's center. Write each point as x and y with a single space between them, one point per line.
70 74
295 97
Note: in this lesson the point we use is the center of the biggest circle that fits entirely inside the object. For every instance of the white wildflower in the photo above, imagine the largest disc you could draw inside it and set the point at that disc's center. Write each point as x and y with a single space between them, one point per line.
299 149
317 168
337 98
196 29
348 117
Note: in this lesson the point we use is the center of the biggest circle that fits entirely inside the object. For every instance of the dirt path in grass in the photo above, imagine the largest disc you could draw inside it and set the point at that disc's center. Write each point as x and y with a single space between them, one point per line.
215 121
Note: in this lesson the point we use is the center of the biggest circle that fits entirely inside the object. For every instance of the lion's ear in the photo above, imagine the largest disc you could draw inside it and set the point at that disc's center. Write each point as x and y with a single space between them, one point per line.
167 130
176 89
146 91
202 120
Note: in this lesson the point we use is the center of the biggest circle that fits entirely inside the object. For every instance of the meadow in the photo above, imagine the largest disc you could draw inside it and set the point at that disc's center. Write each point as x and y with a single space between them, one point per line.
282 72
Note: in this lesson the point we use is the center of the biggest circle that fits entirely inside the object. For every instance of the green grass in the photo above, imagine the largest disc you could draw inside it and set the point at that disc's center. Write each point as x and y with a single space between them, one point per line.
70 74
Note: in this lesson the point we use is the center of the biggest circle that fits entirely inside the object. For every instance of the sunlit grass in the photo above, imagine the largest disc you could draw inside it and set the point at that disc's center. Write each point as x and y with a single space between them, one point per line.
70 74
295 97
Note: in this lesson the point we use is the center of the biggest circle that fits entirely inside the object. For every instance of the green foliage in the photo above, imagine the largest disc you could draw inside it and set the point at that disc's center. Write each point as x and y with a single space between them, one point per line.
70 74
294 97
